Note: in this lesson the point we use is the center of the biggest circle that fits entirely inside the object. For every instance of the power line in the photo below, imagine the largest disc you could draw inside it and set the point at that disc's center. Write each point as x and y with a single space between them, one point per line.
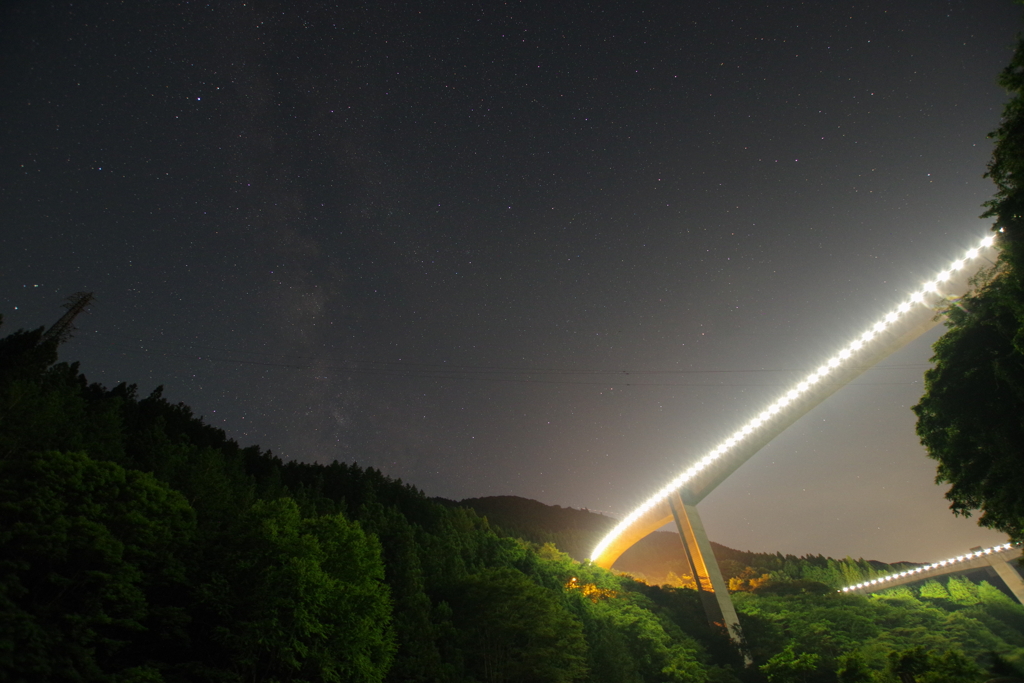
479 373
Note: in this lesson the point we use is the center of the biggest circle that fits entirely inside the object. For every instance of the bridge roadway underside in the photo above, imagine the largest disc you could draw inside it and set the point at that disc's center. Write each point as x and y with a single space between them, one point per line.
680 505
695 490
999 561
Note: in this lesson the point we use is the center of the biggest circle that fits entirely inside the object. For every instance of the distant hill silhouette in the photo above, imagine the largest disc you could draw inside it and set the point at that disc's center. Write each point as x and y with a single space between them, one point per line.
576 532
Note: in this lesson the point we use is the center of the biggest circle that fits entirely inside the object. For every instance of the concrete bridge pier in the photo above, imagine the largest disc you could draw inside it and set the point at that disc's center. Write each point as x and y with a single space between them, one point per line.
1009 576
711 587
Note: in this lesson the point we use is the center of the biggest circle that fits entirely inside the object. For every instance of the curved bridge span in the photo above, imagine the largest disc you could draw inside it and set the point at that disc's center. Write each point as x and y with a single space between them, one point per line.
677 500
704 480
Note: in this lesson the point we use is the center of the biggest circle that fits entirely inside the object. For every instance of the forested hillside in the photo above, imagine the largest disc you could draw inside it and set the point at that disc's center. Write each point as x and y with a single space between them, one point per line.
139 544
658 558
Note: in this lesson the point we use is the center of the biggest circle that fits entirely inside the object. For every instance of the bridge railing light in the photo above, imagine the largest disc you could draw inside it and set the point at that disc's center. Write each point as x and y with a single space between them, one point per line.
928 567
916 299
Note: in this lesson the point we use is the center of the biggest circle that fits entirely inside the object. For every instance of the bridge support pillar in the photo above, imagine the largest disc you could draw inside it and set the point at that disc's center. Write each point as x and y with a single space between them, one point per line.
714 594
1010 577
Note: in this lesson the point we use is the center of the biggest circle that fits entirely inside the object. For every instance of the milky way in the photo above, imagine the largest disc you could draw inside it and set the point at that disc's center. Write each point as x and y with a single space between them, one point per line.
555 250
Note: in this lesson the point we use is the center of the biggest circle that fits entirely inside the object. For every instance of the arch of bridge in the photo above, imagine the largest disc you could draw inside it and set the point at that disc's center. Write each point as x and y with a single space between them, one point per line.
891 340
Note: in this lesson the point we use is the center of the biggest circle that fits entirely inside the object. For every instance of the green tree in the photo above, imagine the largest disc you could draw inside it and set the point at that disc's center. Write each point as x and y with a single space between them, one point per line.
853 668
934 590
90 561
789 666
962 591
642 643
971 417
919 665
288 598
511 629
908 666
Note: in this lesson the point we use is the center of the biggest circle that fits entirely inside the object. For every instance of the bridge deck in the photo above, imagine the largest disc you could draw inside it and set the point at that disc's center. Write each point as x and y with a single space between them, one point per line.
997 558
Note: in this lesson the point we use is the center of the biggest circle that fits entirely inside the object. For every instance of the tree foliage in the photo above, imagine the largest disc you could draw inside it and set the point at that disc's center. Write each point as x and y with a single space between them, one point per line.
971 417
139 544
91 555
514 630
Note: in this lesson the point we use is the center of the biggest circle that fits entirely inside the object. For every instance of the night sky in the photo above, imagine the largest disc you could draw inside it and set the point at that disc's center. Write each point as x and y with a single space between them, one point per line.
548 249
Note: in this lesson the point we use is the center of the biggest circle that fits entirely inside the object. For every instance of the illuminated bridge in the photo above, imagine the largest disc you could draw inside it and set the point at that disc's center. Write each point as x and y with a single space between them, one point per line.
677 500
997 557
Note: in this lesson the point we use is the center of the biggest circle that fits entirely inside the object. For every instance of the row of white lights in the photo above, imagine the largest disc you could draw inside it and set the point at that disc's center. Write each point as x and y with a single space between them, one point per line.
917 298
926 568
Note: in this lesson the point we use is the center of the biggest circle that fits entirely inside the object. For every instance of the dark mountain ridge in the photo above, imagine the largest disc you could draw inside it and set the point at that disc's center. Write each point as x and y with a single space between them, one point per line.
657 559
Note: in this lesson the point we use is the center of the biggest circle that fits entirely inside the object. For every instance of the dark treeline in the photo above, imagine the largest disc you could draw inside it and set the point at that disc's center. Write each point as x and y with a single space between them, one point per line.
139 544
